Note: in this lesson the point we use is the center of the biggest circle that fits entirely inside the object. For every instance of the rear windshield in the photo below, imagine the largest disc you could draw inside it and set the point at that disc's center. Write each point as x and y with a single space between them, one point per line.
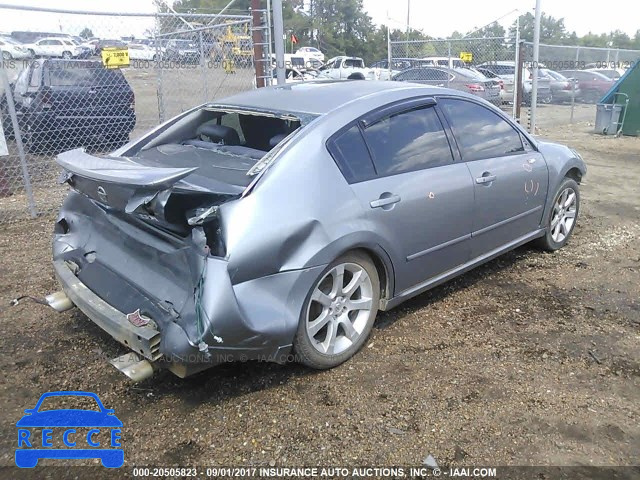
85 77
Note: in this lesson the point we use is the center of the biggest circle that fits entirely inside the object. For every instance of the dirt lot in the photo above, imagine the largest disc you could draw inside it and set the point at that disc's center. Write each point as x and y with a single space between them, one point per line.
532 359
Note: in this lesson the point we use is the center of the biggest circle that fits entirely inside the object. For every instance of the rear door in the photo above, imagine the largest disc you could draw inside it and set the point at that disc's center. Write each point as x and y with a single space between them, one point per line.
510 177
419 200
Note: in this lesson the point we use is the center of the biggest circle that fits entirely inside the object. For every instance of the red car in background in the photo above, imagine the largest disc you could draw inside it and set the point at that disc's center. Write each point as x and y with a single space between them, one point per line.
593 85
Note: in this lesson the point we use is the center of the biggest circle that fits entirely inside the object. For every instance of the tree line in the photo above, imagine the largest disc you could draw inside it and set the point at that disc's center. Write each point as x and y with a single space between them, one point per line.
342 27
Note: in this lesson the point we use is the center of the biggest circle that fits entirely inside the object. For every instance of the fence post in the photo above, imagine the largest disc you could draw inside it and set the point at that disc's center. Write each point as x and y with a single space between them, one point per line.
516 73
203 66
159 85
573 87
389 52
18 137
448 60
518 81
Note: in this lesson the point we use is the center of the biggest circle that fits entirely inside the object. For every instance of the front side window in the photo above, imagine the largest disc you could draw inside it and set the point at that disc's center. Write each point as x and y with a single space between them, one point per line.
408 141
480 133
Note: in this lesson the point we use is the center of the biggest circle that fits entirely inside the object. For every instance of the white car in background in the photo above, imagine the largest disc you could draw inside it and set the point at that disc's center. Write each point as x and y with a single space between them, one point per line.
139 51
310 53
451 62
12 50
55 47
350 68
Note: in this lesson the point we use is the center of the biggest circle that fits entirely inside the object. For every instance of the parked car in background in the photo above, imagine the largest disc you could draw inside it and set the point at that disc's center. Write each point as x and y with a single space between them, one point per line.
493 76
309 53
76 102
183 51
611 73
451 62
109 43
55 47
381 67
139 51
402 188
463 79
86 50
506 70
563 89
12 50
593 85
343 67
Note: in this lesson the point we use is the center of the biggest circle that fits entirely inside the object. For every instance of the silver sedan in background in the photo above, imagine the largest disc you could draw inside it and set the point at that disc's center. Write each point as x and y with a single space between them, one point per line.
280 221
463 79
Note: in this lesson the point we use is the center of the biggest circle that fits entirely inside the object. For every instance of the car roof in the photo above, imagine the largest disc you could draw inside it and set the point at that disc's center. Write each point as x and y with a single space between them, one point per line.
316 96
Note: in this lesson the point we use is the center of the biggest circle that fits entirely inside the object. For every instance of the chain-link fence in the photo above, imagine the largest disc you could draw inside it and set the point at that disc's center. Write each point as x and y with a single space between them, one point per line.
455 64
60 90
572 80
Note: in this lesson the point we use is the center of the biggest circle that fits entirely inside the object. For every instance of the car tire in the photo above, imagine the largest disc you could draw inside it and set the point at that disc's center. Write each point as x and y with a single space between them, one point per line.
562 216
66 55
6 56
338 313
32 53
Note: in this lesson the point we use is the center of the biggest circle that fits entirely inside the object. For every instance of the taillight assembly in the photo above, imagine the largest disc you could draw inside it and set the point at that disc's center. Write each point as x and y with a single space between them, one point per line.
475 87
132 101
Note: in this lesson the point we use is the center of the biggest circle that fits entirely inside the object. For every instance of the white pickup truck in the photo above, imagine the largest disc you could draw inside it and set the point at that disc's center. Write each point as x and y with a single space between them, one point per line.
351 68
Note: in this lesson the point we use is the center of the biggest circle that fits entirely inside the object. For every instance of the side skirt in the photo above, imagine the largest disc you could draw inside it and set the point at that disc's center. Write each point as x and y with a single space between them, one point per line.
465 267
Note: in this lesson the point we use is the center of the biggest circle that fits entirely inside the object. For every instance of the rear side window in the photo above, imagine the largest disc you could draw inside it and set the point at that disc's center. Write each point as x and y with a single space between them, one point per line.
480 133
351 154
408 141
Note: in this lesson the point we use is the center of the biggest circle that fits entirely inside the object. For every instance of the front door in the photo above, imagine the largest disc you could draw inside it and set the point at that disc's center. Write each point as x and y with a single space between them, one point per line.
510 178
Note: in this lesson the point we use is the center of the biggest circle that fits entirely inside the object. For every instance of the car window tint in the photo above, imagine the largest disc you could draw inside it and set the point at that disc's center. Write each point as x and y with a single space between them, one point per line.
480 133
351 154
408 141
85 77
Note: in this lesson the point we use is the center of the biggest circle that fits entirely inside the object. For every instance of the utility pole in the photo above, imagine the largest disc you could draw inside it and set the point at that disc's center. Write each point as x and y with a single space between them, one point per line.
534 70
258 44
408 19
278 40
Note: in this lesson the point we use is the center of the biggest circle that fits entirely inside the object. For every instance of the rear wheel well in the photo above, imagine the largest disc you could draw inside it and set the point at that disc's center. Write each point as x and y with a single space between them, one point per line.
575 174
381 268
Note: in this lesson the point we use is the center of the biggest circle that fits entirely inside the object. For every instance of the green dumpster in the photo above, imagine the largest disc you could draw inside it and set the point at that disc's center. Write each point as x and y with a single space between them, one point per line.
629 85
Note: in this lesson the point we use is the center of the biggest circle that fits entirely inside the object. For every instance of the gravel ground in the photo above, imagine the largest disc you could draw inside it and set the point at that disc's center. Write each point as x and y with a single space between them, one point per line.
531 359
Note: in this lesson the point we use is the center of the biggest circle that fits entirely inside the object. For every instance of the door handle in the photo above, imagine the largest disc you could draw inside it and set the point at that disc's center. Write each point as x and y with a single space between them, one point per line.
485 179
385 200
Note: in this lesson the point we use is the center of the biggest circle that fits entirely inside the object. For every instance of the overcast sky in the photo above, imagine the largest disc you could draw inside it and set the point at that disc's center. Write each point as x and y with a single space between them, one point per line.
435 17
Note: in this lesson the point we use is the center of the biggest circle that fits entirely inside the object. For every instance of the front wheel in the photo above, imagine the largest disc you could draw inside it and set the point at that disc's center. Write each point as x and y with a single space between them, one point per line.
562 216
339 312
66 55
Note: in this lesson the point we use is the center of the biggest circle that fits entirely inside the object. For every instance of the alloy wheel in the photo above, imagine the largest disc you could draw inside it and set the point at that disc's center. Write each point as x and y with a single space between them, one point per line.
563 217
339 308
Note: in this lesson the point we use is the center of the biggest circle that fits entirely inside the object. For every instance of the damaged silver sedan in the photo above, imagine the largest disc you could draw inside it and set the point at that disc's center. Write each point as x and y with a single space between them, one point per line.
275 224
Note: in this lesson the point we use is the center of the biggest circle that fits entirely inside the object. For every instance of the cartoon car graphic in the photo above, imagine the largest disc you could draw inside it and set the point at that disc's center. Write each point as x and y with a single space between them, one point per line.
31 449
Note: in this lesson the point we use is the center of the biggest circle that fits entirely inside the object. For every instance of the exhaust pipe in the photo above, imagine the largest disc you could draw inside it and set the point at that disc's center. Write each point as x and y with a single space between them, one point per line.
59 301
133 366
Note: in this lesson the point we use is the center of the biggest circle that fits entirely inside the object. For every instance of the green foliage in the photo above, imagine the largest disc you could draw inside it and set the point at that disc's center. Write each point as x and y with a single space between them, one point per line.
86 33
342 27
